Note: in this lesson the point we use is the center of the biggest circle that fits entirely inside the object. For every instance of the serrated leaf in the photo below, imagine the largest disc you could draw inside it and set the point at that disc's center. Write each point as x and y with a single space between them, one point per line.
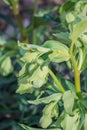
60 51
46 100
68 99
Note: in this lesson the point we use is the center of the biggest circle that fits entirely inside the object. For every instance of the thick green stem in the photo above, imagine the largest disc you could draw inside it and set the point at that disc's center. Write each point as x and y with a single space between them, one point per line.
60 87
76 73
34 29
34 41
80 58
35 7
18 19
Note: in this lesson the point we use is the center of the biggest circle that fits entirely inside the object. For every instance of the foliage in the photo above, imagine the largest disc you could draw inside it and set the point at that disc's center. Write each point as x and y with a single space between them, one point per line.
61 104
64 109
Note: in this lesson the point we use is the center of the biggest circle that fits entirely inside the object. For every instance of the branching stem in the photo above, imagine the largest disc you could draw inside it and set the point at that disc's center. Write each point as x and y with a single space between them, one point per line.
60 87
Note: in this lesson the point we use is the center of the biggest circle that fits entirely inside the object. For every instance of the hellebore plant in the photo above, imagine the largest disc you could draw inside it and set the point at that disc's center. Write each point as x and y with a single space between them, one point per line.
64 108
65 102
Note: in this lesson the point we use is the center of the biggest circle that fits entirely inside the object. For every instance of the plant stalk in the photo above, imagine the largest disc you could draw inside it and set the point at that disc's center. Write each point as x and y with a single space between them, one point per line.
15 8
34 29
76 73
35 7
60 87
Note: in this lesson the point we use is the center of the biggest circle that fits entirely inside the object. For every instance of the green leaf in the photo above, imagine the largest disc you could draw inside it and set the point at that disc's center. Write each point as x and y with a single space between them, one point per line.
67 6
70 17
54 45
48 113
82 115
68 99
31 48
24 85
85 81
30 57
59 56
48 99
37 22
60 51
71 122
24 88
84 59
8 44
31 76
85 122
80 8
78 29
70 86
40 21
83 38
84 102
62 37
6 66
39 76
